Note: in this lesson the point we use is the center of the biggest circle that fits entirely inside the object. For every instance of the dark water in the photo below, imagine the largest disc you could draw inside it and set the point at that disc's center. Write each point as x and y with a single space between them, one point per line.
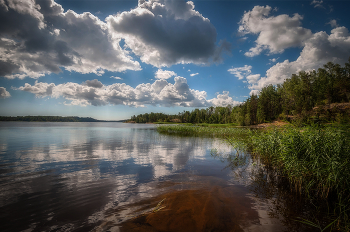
109 177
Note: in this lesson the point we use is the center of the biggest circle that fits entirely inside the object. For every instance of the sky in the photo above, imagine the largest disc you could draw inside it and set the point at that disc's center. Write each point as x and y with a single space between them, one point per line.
111 59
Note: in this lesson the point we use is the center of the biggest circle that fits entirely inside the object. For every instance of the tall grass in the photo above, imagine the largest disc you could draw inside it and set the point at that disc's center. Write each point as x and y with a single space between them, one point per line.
203 130
315 160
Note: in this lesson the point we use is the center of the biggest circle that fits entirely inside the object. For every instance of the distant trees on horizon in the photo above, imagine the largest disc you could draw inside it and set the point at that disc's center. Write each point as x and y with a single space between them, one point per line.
48 119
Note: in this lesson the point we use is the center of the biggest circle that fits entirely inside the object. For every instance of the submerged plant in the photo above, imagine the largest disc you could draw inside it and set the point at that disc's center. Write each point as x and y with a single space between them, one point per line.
310 223
158 207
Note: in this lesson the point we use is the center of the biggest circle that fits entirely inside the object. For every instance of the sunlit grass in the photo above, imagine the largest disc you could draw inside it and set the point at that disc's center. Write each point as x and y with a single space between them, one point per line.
201 130
217 125
318 157
171 123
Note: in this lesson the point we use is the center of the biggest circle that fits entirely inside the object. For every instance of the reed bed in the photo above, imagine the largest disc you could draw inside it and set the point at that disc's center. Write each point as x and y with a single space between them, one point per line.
316 161
203 130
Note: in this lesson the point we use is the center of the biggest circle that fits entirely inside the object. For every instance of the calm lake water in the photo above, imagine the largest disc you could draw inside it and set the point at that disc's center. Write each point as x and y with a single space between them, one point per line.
109 176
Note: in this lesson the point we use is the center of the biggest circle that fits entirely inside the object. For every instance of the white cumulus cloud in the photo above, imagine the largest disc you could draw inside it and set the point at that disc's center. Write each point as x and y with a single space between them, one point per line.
4 93
273 60
317 4
167 32
224 100
160 92
241 72
164 74
275 33
253 78
38 38
333 23
245 73
117 78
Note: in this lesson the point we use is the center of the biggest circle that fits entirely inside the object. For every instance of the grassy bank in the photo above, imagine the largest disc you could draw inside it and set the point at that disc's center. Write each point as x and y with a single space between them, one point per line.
199 124
202 130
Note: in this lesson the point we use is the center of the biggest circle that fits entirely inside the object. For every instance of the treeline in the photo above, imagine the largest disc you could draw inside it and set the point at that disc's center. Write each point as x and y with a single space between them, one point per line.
48 119
209 115
305 97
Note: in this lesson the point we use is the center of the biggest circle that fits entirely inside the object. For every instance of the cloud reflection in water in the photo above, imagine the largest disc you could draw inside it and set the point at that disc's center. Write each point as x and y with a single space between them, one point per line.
58 173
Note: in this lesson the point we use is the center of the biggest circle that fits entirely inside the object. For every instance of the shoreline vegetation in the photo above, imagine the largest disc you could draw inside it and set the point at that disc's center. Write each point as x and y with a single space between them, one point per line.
313 160
316 163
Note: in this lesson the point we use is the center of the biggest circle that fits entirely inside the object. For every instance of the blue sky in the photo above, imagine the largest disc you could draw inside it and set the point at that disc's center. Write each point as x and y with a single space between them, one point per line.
111 59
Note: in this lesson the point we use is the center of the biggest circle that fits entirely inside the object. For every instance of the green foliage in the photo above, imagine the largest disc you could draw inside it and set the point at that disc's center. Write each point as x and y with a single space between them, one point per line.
211 115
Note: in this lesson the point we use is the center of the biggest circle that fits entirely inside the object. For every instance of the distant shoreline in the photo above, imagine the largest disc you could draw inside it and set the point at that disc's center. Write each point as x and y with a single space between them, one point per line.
52 119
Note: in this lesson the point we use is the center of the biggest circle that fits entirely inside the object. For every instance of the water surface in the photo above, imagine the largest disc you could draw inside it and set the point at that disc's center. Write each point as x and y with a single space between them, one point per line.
110 176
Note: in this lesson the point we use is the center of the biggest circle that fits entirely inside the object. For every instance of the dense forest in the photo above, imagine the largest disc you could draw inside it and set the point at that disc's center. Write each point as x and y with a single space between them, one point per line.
318 95
48 119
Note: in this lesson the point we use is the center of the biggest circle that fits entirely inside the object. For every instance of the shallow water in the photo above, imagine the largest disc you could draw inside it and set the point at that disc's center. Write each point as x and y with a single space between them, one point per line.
110 176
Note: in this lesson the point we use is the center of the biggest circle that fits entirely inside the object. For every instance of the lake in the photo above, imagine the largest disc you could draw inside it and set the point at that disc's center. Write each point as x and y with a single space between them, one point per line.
111 176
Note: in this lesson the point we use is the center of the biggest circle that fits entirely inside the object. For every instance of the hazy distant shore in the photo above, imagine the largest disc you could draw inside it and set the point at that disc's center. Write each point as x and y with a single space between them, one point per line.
54 119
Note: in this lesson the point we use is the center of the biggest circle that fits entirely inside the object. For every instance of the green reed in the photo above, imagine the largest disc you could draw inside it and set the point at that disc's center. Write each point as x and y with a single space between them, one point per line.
315 160
202 130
